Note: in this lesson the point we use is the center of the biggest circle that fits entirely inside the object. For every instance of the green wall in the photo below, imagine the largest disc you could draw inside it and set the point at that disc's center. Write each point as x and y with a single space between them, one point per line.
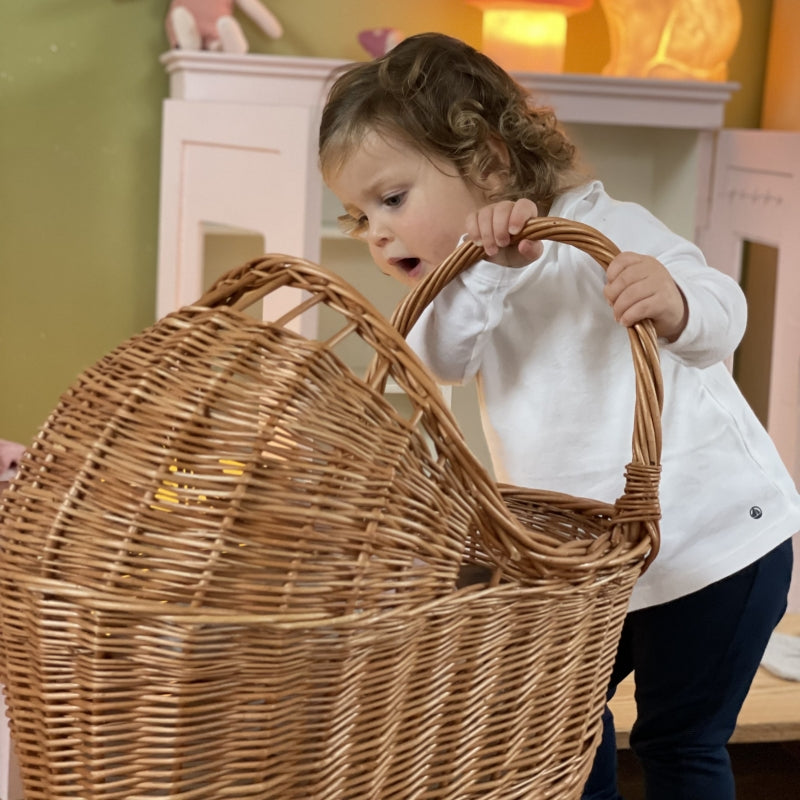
80 92
80 97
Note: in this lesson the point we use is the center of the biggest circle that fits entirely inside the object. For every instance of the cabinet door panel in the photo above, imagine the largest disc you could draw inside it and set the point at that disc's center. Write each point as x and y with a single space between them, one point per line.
245 168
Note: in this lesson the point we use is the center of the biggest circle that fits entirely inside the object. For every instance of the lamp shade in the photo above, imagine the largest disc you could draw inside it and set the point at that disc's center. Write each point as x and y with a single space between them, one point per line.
666 40
527 36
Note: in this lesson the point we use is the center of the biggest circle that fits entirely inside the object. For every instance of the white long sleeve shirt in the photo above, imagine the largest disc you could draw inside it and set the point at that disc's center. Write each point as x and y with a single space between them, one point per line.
556 387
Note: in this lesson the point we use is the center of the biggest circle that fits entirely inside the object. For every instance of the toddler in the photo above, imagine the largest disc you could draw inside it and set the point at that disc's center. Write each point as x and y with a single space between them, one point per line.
432 143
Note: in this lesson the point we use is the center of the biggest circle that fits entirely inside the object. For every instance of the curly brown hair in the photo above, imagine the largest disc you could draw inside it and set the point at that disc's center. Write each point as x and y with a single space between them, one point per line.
446 99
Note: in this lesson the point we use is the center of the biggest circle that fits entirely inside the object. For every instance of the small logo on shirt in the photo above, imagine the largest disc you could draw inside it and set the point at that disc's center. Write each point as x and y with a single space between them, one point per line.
756 512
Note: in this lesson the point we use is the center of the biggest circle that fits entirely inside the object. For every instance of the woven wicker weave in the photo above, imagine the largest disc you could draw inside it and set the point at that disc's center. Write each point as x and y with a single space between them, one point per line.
230 570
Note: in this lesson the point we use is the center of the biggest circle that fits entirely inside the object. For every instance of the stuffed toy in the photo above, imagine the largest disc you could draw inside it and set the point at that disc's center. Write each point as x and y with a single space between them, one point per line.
10 455
210 25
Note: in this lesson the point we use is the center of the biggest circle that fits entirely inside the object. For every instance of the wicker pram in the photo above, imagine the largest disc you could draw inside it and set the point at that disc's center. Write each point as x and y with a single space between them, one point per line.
230 569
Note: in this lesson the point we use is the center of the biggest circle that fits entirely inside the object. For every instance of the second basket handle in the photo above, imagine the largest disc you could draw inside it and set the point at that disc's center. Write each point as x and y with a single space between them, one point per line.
640 500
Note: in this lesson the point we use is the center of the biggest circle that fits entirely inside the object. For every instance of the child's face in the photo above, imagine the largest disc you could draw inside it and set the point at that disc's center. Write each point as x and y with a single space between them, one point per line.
409 208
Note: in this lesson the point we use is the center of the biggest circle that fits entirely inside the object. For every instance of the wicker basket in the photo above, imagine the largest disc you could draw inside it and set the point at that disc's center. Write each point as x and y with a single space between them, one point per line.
230 569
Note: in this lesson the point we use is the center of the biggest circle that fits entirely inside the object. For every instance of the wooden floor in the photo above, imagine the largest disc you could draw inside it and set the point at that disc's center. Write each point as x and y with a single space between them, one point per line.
771 712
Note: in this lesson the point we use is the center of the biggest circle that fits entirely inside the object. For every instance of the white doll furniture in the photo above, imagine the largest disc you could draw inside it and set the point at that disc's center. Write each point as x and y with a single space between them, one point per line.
239 152
755 197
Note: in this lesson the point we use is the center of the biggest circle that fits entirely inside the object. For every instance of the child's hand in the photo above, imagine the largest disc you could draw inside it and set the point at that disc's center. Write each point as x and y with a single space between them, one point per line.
493 226
639 287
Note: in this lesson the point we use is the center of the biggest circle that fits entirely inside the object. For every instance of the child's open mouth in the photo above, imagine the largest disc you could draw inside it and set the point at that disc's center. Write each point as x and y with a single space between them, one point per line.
408 265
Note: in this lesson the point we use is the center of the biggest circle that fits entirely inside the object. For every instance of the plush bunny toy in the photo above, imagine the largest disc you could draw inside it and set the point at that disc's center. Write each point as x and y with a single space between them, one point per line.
210 25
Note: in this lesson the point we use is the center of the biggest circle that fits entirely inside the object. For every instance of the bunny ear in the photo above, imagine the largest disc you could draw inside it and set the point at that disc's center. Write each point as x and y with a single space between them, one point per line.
262 17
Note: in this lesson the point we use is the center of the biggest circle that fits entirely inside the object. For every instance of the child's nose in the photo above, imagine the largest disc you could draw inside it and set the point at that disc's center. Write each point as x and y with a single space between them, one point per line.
378 234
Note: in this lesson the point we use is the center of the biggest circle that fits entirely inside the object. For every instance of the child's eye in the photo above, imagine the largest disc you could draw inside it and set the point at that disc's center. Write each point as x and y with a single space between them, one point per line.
394 200
352 226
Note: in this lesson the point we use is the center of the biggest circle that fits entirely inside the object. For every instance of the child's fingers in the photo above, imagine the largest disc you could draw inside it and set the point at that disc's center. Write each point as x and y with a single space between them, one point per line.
624 272
521 212
499 234
620 264
633 305
493 226
639 288
489 227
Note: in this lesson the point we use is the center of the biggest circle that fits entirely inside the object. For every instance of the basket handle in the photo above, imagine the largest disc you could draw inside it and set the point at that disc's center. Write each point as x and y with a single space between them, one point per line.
639 503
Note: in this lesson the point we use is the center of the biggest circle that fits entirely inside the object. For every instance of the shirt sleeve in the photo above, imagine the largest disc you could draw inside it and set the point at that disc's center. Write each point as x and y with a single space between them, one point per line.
716 303
717 317
452 332
451 335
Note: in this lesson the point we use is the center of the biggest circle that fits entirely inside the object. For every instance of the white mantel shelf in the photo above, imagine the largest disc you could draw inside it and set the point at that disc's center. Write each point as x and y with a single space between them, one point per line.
655 103
590 99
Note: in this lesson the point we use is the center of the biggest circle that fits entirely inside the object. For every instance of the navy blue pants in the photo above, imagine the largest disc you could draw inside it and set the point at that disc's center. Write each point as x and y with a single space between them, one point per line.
694 660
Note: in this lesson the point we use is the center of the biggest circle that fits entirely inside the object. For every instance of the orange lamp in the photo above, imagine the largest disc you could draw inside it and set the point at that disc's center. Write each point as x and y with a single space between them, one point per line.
527 36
